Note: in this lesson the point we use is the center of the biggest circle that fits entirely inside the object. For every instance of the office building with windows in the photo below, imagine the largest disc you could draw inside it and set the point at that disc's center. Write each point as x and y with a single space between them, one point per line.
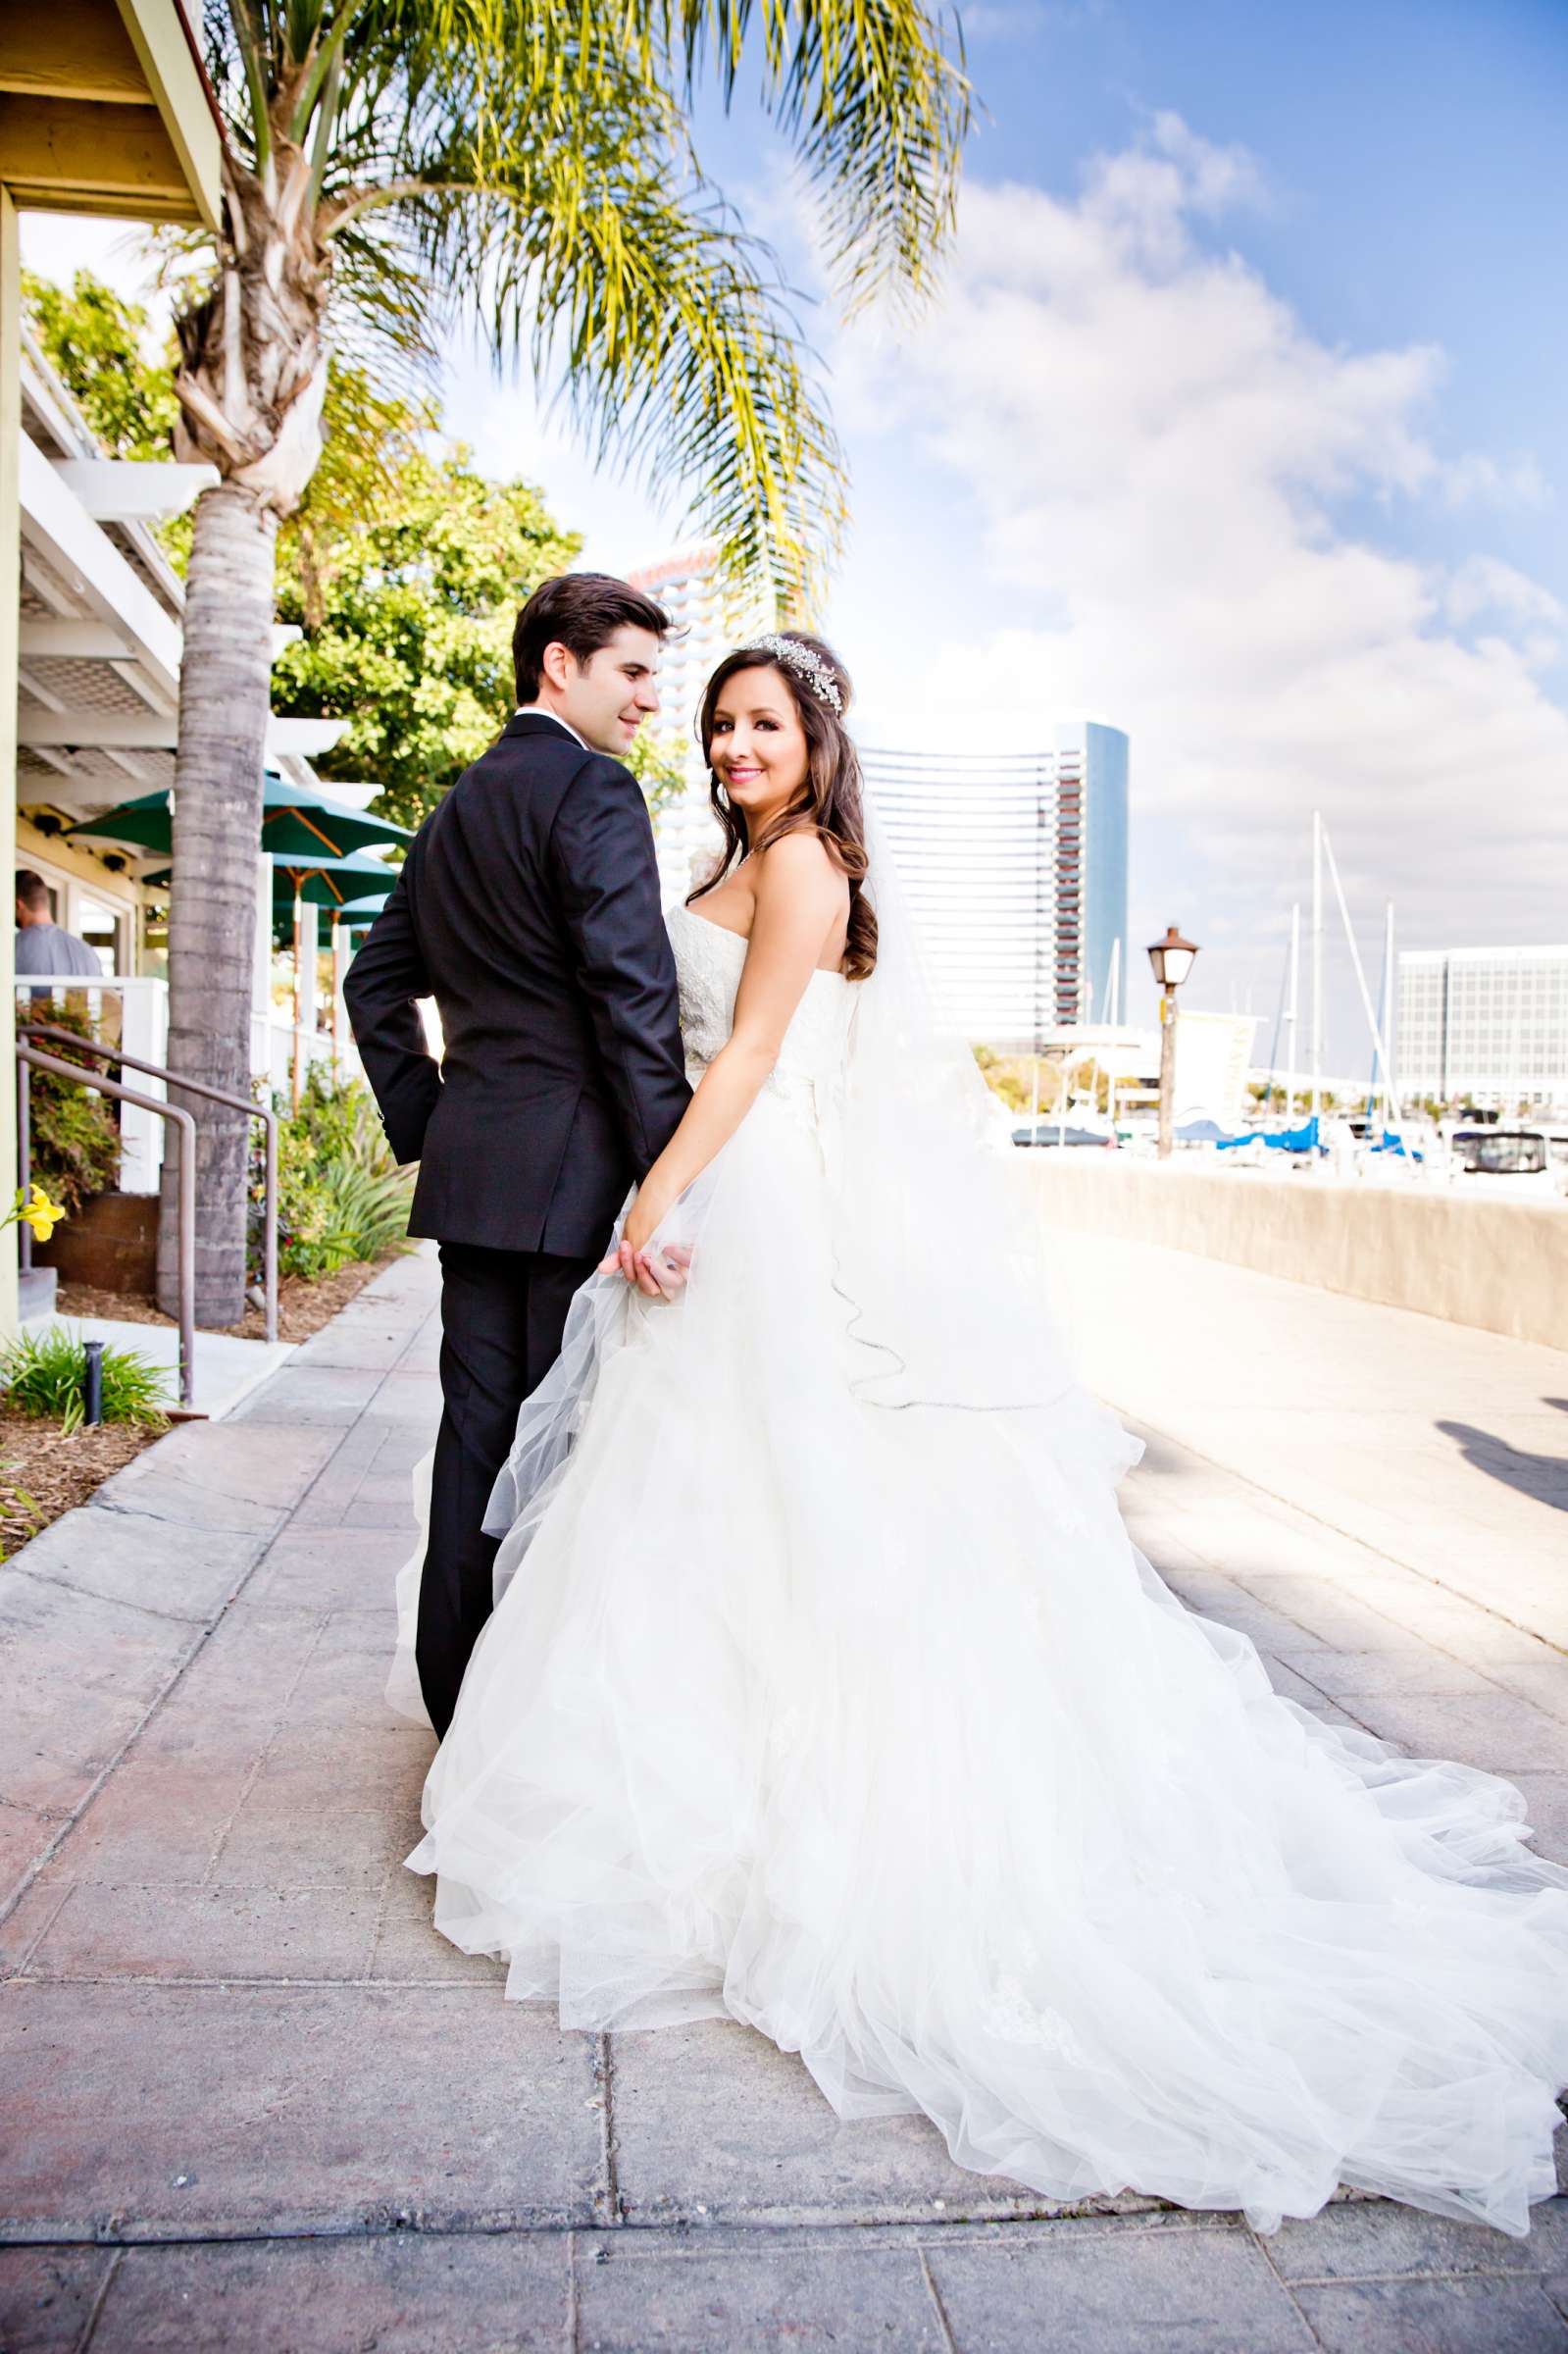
1015 865
1487 1026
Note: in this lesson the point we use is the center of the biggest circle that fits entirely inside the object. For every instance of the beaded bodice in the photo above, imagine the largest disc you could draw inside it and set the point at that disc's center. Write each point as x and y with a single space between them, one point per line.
709 962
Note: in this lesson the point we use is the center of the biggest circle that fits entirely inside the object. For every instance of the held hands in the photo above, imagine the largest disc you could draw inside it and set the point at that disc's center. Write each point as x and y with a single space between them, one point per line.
658 1271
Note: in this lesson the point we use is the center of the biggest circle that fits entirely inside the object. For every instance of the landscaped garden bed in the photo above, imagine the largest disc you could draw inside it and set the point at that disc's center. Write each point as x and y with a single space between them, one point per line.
342 1214
304 1303
51 1458
43 1474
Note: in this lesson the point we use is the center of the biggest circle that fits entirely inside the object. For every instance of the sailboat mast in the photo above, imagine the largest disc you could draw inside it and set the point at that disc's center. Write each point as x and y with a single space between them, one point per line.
1291 1015
1387 1013
1317 962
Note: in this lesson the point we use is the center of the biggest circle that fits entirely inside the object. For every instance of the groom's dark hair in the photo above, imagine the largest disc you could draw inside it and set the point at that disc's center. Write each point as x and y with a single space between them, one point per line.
581 611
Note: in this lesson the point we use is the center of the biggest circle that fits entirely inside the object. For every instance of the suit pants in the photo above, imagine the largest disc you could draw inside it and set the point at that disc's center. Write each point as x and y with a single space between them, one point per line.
502 1316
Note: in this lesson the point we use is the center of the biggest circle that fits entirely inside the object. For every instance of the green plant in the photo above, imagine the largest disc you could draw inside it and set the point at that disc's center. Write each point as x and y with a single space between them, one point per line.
95 338
43 1373
75 1138
341 1196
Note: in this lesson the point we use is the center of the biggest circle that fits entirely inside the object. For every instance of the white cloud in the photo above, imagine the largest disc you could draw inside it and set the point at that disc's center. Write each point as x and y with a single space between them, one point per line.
1516 481
1483 585
1155 456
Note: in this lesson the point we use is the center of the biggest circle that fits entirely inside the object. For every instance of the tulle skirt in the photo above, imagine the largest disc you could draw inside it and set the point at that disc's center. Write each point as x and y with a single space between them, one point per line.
861 1720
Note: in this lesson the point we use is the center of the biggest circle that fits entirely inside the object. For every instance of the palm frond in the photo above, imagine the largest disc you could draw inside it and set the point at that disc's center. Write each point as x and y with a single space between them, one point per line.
874 96
667 330
532 157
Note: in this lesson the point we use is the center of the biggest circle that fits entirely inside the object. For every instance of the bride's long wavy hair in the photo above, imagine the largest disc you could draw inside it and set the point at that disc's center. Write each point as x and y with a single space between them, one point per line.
829 803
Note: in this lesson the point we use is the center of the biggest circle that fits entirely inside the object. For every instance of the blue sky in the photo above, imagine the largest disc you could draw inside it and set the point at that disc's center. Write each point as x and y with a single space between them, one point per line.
1241 420
1416 162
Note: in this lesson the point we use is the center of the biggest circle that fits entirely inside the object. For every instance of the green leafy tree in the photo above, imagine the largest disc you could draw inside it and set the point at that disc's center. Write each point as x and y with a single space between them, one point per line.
95 341
406 578
408 624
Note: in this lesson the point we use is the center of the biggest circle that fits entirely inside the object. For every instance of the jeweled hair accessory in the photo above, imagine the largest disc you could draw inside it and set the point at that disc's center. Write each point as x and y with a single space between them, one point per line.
806 664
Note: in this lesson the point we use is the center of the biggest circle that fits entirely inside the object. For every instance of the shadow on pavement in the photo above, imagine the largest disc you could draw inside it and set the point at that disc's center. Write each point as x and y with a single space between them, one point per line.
1541 1477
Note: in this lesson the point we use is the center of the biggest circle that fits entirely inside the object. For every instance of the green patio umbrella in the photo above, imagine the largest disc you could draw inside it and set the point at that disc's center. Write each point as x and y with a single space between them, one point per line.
331 882
296 825
355 918
319 882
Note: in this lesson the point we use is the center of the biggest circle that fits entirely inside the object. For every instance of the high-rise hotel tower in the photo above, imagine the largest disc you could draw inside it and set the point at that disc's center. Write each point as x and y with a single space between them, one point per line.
1015 865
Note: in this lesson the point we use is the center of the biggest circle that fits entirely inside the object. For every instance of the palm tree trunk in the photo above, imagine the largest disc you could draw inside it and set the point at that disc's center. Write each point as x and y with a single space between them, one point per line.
225 688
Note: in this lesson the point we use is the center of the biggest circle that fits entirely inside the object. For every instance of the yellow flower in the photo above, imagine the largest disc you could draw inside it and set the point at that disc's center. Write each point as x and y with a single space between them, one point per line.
40 1213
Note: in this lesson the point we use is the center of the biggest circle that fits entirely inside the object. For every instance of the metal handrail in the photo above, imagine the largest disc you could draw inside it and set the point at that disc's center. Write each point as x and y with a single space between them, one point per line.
213 1094
32 1058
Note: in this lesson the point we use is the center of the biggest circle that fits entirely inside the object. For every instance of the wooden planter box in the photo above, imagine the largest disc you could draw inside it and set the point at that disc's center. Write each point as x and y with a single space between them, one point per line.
112 1244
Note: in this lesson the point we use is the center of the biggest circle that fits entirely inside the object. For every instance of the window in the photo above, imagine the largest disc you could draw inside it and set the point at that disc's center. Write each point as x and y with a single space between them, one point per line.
103 928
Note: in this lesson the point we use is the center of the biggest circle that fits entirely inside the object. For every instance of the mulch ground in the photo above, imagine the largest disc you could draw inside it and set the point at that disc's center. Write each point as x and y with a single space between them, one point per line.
42 1475
303 1307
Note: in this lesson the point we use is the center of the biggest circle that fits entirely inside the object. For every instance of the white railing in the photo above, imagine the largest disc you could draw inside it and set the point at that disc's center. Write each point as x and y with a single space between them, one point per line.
272 1052
129 1010
132 1011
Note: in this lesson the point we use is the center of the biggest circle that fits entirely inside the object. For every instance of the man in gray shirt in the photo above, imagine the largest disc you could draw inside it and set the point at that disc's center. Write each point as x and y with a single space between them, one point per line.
41 946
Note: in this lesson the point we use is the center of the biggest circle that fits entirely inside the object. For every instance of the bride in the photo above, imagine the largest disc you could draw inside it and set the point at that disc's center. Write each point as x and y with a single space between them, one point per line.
825 1690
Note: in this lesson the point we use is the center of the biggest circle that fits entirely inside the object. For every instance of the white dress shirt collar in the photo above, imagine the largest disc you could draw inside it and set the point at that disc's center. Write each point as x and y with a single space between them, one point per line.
537 711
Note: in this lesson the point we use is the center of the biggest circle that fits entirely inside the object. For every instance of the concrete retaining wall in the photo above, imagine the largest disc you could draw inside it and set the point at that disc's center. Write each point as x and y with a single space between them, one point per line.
1500 1265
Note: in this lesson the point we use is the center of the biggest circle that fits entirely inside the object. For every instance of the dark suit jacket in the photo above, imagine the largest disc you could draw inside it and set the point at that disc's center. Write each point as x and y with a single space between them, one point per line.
528 908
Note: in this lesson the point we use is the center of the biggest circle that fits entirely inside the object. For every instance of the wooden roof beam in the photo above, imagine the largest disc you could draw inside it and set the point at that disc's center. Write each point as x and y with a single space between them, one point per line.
103 159
71 49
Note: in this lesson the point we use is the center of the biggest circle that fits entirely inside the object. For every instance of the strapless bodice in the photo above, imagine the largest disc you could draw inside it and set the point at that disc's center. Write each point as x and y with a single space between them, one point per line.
709 962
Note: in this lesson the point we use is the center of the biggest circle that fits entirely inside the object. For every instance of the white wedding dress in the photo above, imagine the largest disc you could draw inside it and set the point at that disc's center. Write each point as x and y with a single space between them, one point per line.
859 1719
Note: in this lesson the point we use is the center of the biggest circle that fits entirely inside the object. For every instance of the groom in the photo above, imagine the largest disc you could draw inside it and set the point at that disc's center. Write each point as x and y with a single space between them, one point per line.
529 909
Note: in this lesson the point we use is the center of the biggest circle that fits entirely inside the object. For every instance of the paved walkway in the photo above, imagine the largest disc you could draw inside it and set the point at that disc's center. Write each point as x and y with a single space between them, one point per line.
254 2103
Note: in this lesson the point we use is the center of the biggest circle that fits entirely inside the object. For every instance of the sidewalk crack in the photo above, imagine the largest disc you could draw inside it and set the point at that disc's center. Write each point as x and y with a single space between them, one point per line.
571 2330
1261 2244
90 2326
934 2294
175 1520
263 1754
607 2197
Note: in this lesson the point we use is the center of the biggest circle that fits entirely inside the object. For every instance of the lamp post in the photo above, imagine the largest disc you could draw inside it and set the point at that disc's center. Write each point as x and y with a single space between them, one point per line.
1172 959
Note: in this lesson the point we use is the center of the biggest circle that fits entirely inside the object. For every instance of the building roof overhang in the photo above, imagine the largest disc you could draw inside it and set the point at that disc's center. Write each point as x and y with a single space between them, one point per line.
101 619
105 108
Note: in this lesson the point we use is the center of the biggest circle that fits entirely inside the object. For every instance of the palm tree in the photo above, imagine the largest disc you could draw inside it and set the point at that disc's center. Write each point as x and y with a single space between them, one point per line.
393 163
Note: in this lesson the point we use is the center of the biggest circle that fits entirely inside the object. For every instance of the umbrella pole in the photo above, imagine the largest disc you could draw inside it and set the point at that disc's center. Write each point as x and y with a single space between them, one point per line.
299 1073
337 1006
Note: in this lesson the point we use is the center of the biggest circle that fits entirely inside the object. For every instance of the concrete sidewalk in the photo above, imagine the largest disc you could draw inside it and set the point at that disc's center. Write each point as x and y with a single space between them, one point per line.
254 2103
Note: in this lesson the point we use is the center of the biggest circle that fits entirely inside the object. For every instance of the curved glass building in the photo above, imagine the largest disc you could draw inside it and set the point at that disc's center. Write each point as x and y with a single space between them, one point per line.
1016 867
